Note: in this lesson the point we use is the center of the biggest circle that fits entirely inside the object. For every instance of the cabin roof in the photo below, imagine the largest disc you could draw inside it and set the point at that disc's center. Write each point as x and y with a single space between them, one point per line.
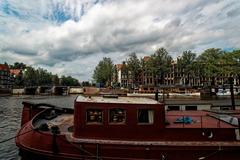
129 100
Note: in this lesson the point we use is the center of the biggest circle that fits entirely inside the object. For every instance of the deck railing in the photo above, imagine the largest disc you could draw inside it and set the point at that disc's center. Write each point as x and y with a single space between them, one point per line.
197 121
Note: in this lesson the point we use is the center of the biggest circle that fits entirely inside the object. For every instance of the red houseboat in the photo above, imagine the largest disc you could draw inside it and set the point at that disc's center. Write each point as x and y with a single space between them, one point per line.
120 128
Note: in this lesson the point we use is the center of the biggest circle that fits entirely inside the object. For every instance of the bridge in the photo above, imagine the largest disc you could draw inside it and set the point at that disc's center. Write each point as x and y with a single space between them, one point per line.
47 90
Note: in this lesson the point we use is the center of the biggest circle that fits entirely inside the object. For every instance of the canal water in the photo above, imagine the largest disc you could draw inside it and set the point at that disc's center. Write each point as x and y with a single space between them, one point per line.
10 119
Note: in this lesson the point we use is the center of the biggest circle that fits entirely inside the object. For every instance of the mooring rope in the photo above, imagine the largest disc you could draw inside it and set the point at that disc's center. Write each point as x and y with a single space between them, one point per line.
6 140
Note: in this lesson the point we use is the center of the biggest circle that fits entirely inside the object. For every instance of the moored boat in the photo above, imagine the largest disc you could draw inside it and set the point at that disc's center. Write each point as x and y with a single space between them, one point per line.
115 127
226 92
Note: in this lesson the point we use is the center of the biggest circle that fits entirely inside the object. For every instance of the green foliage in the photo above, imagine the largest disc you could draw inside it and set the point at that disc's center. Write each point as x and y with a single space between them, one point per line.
231 61
19 79
86 84
30 76
215 62
134 68
124 69
55 80
18 65
159 64
186 65
69 81
210 60
43 77
186 60
103 72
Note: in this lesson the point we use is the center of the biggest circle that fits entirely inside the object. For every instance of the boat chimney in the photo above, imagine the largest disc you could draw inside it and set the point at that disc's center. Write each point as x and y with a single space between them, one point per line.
232 93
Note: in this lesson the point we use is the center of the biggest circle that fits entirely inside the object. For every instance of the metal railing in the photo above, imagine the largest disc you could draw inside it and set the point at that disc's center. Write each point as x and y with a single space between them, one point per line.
196 121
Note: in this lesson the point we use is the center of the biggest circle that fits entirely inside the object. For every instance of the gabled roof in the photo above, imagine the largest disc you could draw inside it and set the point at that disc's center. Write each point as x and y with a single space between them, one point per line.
146 58
4 67
119 66
15 71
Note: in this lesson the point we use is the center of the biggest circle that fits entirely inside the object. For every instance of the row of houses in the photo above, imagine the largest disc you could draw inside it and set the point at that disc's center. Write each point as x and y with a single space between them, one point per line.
7 76
175 77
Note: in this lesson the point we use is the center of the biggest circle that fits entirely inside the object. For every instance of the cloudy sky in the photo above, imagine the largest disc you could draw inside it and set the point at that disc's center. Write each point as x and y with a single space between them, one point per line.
70 36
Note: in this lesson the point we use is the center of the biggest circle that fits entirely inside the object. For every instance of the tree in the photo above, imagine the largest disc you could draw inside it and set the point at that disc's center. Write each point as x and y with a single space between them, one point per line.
19 79
55 80
30 77
211 60
18 65
103 72
159 64
115 77
86 84
43 77
134 67
69 81
232 64
185 65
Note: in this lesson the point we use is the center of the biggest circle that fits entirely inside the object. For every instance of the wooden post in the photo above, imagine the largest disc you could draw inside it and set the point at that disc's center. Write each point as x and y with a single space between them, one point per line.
232 93
156 95
97 152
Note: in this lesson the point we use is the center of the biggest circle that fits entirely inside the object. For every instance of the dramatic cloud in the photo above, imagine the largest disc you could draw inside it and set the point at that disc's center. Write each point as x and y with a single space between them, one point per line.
71 36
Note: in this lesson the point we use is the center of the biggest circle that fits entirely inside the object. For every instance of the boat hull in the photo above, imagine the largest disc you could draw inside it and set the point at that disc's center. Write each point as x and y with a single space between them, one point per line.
37 145
118 153
61 141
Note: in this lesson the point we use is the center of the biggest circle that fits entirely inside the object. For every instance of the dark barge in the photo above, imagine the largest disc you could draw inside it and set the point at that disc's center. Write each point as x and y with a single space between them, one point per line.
126 128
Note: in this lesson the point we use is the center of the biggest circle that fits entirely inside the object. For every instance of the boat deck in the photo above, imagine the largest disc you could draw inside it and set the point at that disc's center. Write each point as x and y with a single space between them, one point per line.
199 119
63 121
174 119
70 138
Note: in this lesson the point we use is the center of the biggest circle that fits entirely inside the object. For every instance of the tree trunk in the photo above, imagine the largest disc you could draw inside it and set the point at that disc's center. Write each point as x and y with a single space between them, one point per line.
213 81
238 79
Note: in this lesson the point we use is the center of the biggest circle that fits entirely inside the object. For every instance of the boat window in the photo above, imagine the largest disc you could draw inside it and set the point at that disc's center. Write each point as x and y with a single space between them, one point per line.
145 116
173 108
94 116
225 108
117 116
190 108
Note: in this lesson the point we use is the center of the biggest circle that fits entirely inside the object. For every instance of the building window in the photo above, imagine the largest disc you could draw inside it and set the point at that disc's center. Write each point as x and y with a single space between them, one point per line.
145 116
117 116
94 116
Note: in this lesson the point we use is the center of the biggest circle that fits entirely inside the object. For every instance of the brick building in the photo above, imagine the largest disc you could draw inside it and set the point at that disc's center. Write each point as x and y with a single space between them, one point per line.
6 78
175 77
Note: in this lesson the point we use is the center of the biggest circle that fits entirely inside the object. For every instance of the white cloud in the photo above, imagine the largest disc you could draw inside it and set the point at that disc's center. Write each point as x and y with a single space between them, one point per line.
71 36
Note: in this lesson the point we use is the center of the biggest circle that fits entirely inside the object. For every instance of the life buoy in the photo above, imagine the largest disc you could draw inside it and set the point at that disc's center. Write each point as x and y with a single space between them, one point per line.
163 157
208 134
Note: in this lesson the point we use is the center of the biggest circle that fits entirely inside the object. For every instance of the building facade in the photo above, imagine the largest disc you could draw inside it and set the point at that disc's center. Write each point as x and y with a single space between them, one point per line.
175 77
6 78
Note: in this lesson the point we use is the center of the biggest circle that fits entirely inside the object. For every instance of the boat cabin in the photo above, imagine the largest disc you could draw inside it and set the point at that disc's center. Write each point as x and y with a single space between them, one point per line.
117 117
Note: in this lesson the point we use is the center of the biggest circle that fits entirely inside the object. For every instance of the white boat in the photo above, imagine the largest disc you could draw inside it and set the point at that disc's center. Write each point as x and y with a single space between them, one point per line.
184 94
142 94
226 92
